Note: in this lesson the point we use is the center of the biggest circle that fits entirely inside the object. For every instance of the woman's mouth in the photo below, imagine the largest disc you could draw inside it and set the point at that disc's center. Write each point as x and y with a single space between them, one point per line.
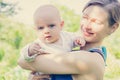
88 34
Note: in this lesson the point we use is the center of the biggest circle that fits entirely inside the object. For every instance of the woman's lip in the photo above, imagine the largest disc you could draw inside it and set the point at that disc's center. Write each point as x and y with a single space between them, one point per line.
87 33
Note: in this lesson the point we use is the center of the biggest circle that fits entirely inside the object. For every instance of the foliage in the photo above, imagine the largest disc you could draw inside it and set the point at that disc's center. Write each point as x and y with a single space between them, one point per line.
70 18
7 8
2 53
114 43
12 37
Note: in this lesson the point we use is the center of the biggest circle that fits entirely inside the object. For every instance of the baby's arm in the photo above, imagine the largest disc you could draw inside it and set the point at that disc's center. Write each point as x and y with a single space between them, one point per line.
36 48
31 51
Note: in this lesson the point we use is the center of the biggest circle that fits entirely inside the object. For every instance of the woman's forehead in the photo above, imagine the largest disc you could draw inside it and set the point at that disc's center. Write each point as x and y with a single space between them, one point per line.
96 12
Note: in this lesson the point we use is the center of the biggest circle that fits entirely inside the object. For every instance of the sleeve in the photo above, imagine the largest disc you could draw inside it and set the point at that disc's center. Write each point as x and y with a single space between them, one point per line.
73 36
25 56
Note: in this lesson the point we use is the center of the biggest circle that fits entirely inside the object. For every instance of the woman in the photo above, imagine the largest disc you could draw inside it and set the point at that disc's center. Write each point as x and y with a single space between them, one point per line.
100 19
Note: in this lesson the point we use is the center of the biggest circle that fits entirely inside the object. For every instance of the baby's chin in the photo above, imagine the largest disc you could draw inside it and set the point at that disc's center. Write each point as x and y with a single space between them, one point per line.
50 41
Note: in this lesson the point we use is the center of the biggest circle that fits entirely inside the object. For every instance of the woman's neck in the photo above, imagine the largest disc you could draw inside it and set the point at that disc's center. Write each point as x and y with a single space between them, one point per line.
91 45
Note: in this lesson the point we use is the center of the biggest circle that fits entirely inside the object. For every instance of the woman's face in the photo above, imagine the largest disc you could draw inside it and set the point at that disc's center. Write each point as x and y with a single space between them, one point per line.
94 24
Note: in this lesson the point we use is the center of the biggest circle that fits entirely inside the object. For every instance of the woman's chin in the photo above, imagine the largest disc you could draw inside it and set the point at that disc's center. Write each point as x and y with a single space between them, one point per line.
90 40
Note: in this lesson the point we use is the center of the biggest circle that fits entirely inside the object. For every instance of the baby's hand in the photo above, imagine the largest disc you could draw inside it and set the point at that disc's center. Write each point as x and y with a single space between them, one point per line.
80 41
34 48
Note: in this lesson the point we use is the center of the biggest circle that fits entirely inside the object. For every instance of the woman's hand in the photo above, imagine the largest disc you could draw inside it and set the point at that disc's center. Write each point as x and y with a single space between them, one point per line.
37 76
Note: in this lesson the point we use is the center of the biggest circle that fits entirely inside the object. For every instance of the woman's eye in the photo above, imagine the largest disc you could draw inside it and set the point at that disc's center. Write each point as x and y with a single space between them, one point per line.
40 28
51 25
98 22
84 18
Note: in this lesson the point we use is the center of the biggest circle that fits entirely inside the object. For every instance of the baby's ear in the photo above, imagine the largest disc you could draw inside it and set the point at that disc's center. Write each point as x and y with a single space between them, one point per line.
34 28
62 24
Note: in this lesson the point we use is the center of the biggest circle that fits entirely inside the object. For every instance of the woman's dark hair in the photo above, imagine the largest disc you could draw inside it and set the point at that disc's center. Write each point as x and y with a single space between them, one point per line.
111 6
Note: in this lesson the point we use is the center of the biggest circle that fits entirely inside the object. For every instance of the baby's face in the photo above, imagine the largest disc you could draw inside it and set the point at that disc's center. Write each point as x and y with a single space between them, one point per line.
48 29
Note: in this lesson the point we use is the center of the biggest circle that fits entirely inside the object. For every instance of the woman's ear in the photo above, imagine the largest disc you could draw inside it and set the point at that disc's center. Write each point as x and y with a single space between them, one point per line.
114 27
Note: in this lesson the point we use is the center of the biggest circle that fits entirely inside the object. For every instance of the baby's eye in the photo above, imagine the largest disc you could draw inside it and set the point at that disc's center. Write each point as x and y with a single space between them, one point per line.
51 25
40 28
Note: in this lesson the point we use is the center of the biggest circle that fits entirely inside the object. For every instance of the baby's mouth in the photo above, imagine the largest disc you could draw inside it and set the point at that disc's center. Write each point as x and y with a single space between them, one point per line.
47 37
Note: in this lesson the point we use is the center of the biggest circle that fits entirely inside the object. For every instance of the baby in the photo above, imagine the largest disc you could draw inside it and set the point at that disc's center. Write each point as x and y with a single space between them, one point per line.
48 26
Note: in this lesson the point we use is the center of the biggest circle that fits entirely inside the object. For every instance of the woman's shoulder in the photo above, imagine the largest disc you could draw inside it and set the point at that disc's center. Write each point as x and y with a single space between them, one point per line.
101 50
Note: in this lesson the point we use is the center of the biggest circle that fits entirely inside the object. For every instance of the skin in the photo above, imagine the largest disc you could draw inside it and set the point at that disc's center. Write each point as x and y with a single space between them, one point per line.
83 65
48 24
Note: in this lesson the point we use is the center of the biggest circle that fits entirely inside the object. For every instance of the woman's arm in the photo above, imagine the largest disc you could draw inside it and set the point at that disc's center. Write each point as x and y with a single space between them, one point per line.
78 62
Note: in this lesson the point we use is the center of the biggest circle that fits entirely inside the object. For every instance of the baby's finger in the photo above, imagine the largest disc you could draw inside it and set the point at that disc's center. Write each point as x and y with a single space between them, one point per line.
82 43
42 51
79 42
35 50
36 45
76 42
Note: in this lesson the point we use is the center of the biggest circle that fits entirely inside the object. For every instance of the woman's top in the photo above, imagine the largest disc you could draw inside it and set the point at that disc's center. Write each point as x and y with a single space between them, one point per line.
102 51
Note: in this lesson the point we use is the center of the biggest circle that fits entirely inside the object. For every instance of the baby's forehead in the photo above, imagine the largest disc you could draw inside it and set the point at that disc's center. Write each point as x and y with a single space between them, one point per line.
47 21
47 18
47 14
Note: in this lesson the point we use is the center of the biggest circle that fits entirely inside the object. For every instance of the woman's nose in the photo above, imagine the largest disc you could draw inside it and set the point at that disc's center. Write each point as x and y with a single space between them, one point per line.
88 25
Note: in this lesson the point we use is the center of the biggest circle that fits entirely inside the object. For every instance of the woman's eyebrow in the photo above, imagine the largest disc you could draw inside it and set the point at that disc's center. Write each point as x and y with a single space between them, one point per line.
84 14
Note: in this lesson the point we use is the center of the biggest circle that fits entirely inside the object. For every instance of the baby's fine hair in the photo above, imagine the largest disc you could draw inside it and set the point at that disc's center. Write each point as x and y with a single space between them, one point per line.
47 9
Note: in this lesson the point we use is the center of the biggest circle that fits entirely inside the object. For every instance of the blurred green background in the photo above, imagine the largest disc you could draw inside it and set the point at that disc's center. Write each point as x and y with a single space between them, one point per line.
14 35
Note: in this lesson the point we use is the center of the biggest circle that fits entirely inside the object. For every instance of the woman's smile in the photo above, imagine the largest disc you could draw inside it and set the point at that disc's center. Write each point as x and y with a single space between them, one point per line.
87 33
